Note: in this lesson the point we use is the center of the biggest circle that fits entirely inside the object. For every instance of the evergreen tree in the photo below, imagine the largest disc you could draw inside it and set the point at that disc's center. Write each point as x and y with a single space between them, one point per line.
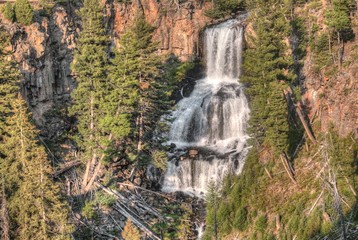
136 70
213 200
30 203
267 72
34 200
90 69
9 76
337 18
130 232
24 12
8 11
221 8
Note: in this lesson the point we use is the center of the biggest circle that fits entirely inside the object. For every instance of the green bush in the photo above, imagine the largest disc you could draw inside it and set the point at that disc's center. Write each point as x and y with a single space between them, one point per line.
261 223
105 199
222 8
160 159
88 210
8 11
241 221
24 12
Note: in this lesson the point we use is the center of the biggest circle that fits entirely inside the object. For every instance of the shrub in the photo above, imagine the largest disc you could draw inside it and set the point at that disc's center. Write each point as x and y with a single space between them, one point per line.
160 159
130 232
24 12
88 210
261 223
8 12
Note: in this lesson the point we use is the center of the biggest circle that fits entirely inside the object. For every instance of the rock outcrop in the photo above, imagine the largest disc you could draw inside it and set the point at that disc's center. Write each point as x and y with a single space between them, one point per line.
44 53
178 26
44 50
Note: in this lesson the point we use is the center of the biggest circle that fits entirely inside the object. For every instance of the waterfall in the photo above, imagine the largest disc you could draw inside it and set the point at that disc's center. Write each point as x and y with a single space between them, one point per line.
211 122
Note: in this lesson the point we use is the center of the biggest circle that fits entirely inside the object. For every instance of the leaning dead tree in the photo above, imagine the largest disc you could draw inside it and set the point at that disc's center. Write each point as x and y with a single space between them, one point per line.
330 180
299 110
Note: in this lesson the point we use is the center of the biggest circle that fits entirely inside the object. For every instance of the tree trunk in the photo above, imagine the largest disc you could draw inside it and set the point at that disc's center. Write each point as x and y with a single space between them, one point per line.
305 125
91 162
5 222
140 136
43 213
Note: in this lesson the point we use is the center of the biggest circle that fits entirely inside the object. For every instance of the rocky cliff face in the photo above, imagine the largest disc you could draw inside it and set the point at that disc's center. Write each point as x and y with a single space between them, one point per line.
44 53
330 95
44 50
178 25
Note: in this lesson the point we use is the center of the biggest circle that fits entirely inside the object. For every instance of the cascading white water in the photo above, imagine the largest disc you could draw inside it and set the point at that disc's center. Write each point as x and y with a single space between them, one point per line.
212 119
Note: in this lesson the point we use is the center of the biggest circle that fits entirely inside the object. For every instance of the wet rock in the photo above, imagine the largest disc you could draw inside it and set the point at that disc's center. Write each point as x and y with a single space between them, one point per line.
153 174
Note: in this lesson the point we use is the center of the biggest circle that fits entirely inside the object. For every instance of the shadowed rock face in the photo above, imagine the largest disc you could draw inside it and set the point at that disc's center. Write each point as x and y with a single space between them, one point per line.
44 53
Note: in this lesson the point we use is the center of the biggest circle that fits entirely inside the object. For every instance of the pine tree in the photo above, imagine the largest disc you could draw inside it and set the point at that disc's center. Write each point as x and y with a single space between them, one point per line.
9 76
34 202
213 199
136 68
267 72
90 69
24 12
337 18
8 11
130 232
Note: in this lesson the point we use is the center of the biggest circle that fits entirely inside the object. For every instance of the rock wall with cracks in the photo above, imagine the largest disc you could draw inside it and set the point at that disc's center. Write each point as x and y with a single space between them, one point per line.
44 49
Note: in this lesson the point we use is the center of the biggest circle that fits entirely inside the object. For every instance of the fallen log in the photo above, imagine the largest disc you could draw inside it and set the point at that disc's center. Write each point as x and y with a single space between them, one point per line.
122 210
315 203
298 107
287 168
144 205
305 125
147 190
66 167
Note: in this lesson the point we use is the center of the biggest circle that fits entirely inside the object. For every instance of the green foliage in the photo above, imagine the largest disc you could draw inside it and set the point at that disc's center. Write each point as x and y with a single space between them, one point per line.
222 8
267 72
88 210
90 69
8 11
9 78
24 12
261 223
212 199
36 211
337 18
34 202
241 221
105 199
321 52
160 159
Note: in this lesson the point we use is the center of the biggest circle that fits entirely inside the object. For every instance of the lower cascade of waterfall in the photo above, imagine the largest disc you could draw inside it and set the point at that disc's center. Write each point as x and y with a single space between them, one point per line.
208 128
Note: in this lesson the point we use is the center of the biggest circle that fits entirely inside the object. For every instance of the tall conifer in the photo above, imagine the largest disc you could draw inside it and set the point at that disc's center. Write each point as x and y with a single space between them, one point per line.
34 199
136 69
9 76
90 69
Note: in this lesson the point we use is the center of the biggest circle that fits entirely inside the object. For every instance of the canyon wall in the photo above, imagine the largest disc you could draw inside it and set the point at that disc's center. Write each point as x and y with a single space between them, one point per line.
44 50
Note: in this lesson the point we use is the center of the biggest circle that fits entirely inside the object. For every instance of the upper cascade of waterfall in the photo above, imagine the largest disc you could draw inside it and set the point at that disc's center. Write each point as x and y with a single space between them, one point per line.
212 120
223 44
216 112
